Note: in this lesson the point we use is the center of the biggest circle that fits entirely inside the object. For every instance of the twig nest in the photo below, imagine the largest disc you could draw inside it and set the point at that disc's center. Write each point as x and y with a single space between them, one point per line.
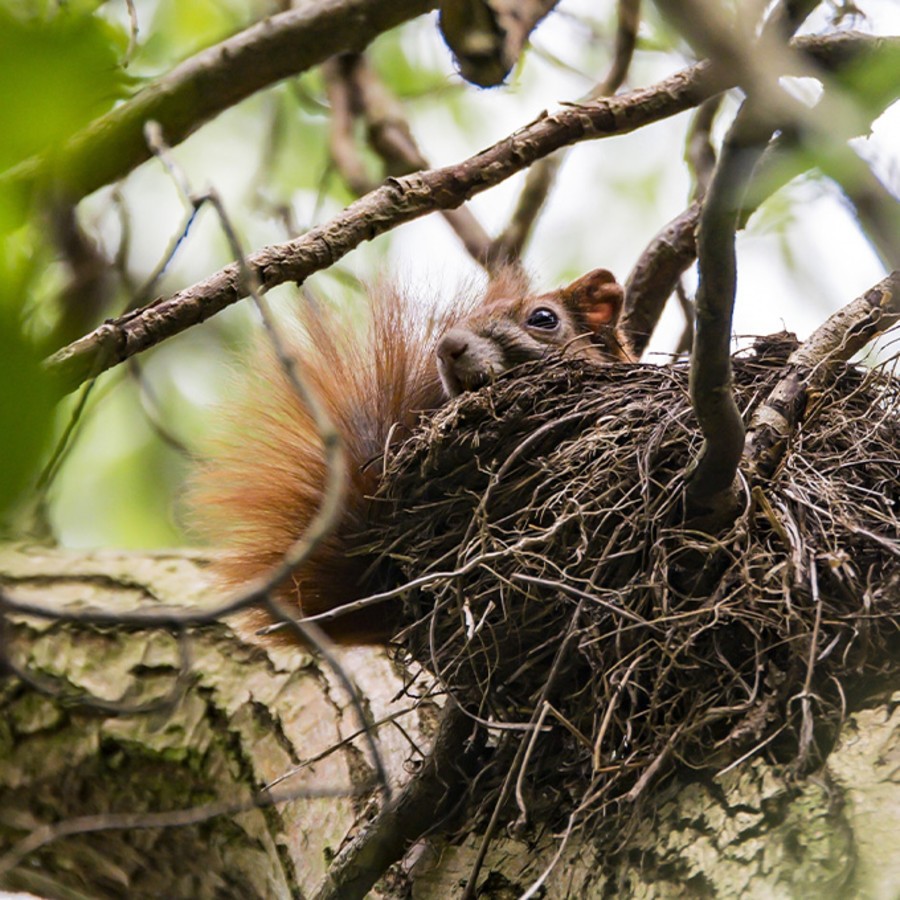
599 640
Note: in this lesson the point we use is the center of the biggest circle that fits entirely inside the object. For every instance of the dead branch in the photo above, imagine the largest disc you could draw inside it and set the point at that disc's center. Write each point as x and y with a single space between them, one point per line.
810 367
403 199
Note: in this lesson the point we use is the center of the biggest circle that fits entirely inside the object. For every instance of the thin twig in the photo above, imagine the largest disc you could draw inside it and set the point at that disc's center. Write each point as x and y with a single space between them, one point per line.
523 752
391 137
326 517
699 152
541 177
178 818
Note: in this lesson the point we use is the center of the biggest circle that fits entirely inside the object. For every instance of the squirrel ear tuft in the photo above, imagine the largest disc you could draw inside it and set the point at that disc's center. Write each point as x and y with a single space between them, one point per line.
598 297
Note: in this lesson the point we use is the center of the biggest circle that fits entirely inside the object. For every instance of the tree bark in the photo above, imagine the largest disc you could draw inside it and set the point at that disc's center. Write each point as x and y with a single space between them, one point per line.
243 717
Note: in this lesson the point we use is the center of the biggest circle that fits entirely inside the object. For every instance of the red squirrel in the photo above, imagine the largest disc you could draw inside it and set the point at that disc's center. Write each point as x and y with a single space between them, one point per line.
265 480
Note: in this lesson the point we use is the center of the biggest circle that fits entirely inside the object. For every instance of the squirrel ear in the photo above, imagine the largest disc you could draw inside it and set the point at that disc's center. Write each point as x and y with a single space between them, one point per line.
597 296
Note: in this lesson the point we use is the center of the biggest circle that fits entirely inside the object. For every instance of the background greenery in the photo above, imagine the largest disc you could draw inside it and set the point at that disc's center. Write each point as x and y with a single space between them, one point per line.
62 64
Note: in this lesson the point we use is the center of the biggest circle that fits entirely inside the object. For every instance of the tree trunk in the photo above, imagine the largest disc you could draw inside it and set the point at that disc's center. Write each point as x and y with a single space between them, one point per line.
76 757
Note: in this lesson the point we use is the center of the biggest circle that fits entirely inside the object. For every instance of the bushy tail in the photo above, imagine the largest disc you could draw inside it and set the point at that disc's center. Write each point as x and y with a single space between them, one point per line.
264 480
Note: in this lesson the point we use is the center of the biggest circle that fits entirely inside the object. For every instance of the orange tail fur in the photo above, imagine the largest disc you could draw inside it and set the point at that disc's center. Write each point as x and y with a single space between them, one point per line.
265 479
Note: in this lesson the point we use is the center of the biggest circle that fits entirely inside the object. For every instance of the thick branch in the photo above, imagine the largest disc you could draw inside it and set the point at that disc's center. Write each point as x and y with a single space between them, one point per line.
809 367
211 82
672 251
650 284
401 200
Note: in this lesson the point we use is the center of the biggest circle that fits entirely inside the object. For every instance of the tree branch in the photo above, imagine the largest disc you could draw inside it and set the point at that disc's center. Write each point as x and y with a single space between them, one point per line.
672 251
428 798
542 175
401 200
391 137
699 152
811 365
628 20
710 483
209 83
397 201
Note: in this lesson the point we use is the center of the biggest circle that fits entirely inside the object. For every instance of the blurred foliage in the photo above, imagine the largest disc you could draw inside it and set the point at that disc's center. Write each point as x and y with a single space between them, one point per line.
63 64
178 28
58 71
59 68
26 394
871 83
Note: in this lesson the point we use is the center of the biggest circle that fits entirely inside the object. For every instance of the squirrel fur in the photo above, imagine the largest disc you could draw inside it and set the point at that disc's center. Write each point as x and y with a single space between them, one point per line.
264 480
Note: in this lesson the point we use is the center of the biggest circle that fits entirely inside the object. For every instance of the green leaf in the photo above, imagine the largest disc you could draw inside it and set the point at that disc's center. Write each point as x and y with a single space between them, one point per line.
26 408
57 72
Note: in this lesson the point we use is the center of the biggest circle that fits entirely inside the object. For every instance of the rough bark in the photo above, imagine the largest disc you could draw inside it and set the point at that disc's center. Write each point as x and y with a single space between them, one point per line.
247 716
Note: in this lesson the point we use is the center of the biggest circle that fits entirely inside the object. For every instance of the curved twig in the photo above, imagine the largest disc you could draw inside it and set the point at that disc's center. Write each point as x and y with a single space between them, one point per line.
326 517
710 483
176 818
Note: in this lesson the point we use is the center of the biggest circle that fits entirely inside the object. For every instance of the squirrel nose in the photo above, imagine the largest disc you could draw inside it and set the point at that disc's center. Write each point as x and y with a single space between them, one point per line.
452 346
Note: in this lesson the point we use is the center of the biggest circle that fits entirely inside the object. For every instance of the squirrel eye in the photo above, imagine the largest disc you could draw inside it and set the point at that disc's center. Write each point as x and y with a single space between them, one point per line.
543 318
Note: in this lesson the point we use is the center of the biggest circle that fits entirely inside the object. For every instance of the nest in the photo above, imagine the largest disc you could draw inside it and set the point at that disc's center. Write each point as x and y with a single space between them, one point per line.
598 640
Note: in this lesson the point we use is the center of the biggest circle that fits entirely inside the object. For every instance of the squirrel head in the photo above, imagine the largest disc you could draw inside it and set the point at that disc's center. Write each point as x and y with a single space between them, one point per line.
510 328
